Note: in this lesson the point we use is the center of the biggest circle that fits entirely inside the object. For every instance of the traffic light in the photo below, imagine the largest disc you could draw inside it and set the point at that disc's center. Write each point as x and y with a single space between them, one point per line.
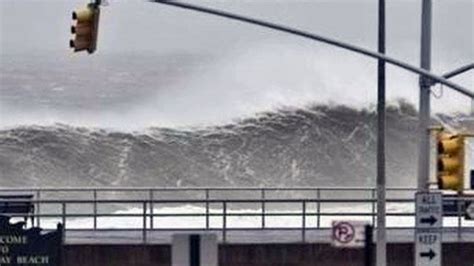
86 28
450 163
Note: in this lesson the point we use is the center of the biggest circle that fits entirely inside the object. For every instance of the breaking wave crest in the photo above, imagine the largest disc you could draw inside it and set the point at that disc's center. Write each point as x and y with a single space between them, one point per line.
320 145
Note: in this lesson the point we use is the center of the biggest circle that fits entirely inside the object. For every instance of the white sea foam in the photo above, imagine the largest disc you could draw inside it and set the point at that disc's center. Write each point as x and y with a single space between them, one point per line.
293 219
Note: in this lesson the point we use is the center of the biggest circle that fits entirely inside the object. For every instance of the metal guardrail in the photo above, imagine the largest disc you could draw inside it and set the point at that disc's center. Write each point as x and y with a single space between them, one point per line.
217 203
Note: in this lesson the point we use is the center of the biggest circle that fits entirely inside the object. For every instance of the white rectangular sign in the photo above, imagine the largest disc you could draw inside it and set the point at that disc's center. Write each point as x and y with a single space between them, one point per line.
348 234
428 249
429 210
429 223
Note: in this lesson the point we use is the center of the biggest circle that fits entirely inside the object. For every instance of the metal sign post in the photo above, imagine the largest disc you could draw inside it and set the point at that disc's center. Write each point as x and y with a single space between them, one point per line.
429 223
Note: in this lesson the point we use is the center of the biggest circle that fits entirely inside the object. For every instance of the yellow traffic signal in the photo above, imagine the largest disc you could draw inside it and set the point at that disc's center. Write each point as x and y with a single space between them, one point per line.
86 28
450 163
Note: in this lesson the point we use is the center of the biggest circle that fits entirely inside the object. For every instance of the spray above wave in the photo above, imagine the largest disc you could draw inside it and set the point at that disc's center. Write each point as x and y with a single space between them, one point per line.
320 146
135 92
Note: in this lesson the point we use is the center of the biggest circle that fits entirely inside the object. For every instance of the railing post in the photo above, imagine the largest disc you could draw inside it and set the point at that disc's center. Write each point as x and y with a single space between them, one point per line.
94 193
207 208
151 197
63 213
144 223
224 221
373 206
38 207
318 208
303 231
262 194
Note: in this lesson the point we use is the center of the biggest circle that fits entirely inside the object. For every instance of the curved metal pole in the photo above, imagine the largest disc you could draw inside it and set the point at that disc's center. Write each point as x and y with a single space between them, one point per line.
458 71
319 38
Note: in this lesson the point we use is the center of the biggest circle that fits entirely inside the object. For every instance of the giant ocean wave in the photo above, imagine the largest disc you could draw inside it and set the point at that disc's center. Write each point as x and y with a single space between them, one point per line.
321 145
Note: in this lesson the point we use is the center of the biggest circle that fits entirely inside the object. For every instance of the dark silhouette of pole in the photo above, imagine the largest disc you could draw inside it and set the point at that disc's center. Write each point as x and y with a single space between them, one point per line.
369 246
381 255
458 71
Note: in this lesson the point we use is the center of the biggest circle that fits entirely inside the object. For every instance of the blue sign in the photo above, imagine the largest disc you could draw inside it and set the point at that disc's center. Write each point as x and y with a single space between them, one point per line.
452 206
19 246
472 179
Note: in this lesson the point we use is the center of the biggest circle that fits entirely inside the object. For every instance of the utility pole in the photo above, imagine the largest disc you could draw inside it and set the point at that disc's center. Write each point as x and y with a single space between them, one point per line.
425 84
381 248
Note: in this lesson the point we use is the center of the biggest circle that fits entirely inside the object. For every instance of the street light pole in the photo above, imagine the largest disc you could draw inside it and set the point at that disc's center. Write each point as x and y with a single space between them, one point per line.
381 252
425 83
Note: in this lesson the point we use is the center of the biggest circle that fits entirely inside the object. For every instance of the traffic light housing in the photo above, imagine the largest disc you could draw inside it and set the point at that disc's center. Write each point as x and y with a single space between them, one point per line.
85 29
450 161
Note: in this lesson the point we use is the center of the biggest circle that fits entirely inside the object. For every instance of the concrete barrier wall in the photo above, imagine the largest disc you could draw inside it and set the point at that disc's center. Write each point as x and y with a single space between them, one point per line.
116 255
458 254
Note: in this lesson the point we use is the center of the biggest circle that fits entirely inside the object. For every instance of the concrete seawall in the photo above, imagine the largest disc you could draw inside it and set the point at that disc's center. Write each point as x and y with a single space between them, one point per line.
454 254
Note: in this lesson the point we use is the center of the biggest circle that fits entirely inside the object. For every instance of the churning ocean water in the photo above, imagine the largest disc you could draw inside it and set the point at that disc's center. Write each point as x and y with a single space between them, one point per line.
183 120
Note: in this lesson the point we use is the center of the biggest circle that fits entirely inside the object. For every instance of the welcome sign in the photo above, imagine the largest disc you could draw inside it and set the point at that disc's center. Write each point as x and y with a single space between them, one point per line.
22 247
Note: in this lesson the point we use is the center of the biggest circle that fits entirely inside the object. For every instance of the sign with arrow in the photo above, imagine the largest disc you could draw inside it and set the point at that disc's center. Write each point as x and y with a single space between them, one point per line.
430 254
429 210
429 222
470 211
428 249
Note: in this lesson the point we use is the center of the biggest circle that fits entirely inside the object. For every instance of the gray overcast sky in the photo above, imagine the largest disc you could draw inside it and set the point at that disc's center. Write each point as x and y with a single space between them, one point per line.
34 27
135 25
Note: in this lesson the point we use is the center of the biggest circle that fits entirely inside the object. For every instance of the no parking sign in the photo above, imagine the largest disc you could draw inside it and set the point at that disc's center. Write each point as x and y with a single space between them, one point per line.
348 234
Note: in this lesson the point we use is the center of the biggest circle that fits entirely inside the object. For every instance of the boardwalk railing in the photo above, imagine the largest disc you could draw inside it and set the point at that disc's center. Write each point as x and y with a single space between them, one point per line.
222 209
